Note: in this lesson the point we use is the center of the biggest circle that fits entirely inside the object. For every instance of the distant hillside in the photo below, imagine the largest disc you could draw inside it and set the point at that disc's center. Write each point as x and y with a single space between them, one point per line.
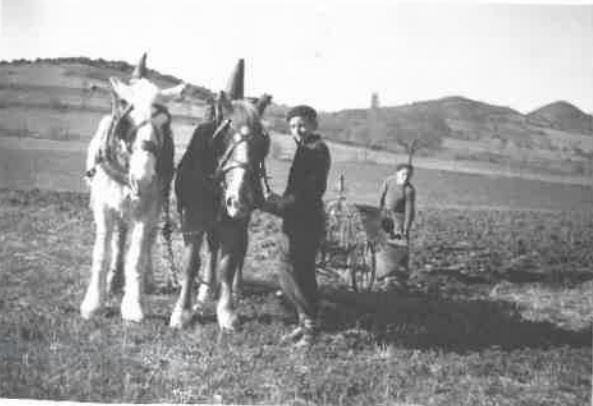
391 128
562 115
460 108
428 121
104 69
64 99
458 118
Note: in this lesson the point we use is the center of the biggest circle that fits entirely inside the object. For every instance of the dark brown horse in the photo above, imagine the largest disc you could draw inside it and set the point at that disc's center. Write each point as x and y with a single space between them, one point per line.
218 185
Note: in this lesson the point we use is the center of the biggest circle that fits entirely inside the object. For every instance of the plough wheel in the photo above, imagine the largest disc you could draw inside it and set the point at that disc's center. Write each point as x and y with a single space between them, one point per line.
362 267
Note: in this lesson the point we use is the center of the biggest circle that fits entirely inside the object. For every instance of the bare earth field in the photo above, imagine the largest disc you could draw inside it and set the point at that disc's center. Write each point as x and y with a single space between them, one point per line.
500 311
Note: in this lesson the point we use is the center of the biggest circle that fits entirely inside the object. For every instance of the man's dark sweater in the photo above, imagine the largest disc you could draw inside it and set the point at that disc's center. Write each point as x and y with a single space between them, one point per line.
301 205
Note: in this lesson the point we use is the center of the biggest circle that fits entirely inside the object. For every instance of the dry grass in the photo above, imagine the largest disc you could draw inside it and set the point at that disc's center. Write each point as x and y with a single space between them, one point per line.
466 334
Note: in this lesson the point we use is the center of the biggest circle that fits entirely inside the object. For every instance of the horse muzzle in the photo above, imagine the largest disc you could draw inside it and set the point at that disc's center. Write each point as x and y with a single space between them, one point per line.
236 208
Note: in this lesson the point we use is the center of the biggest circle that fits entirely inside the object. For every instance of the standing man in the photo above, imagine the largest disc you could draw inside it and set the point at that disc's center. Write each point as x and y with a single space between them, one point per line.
397 202
301 209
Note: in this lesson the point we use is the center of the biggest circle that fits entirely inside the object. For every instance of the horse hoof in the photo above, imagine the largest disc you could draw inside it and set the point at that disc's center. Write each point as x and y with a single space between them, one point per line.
87 312
180 319
230 329
204 294
89 307
202 309
131 311
228 320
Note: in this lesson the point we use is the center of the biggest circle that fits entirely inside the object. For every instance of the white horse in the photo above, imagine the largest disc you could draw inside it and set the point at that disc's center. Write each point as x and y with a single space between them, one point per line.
130 167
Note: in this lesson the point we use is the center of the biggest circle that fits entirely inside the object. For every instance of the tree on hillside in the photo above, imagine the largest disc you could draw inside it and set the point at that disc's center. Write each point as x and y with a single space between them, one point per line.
426 128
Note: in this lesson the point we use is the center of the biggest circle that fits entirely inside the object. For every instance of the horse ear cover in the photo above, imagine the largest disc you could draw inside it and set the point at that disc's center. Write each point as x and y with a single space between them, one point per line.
140 69
236 85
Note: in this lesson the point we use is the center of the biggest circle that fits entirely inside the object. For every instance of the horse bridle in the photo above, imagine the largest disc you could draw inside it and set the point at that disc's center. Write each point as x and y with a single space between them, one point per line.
106 158
130 134
227 164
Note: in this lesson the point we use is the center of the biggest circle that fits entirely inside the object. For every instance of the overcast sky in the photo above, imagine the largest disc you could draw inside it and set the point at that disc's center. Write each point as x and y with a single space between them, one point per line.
331 54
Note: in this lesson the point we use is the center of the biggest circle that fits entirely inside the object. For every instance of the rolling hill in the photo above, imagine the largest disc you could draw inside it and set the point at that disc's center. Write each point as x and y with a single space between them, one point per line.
458 118
563 116
64 98
556 138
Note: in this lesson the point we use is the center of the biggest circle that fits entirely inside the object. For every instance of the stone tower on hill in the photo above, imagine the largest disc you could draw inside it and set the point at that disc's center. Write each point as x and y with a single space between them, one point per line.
375 101
373 125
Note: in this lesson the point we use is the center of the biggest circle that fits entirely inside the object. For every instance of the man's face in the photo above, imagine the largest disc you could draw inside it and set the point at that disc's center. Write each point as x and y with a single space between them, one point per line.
301 127
402 176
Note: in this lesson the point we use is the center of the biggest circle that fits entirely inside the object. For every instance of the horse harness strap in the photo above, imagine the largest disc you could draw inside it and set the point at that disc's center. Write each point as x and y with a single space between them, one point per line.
223 168
226 164
106 150
149 146
222 127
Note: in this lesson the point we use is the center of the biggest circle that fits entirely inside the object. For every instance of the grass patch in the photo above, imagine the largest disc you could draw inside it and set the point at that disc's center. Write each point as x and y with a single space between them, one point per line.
471 331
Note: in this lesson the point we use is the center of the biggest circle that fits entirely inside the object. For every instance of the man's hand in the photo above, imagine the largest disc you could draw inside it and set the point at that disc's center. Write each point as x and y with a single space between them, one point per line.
273 198
267 193
272 203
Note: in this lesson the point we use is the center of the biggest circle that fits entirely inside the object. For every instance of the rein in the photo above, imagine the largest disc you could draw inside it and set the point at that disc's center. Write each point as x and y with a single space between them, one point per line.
222 169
